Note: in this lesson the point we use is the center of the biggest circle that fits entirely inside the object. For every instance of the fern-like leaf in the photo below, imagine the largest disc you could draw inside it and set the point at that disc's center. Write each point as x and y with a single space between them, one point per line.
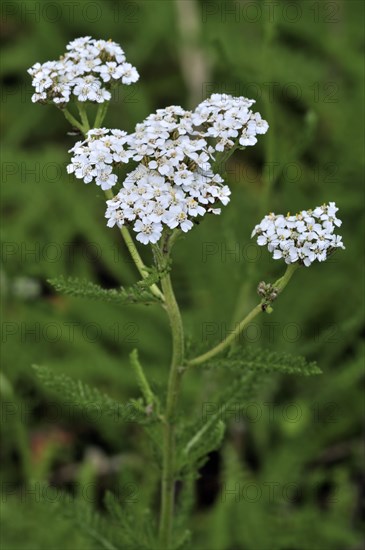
136 530
139 293
80 513
265 361
208 438
91 399
205 435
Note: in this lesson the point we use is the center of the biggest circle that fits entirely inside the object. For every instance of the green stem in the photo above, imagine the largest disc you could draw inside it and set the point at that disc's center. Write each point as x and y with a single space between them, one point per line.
100 114
138 260
227 341
84 127
83 115
280 284
134 253
141 377
72 120
168 468
224 156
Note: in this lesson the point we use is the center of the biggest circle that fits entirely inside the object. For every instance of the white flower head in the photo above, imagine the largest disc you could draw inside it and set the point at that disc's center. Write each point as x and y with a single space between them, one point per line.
229 121
173 183
87 71
95 157
305 237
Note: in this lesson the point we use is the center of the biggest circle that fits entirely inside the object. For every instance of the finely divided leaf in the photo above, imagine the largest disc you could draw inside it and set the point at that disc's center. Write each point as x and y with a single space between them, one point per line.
101 531
91 399
138 293
265 361
135 530
205 434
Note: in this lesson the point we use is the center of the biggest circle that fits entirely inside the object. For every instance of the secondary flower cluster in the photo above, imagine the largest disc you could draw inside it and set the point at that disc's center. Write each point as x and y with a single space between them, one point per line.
87 71
304 237
229 120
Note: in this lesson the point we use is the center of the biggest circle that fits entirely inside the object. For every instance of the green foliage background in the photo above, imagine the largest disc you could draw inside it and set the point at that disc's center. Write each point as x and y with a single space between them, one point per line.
299 436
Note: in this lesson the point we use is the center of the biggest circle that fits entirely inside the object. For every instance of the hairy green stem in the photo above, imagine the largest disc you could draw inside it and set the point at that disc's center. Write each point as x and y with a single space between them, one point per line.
227 341
279 285
84 127
141 378
223 157
135 254
72 120
168 469
138 260
100 114
83 115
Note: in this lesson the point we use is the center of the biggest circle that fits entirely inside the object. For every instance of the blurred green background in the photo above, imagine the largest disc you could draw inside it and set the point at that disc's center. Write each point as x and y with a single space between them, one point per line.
289 475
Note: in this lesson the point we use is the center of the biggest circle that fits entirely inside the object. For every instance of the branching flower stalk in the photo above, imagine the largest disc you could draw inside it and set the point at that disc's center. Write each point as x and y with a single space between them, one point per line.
84 127
143 270
264 305
176 180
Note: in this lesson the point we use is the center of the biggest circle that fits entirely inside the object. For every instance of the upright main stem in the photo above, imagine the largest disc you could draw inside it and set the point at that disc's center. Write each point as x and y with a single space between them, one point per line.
168 468
167 296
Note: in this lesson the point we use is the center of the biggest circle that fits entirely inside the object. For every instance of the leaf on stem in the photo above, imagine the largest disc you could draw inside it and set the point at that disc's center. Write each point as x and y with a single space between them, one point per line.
204 435
80 513
135 530
91 399
139 293
264 360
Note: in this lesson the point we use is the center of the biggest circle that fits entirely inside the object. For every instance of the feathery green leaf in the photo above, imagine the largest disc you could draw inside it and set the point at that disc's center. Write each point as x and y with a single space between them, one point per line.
138 293
265 361
91 399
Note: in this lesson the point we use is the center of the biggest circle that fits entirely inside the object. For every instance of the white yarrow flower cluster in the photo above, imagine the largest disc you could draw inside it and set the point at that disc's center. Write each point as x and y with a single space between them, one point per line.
305 237
95 157
88 71
174 182
229 120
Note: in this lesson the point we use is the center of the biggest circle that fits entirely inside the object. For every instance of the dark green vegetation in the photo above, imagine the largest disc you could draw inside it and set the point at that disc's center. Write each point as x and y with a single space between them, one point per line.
288 475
